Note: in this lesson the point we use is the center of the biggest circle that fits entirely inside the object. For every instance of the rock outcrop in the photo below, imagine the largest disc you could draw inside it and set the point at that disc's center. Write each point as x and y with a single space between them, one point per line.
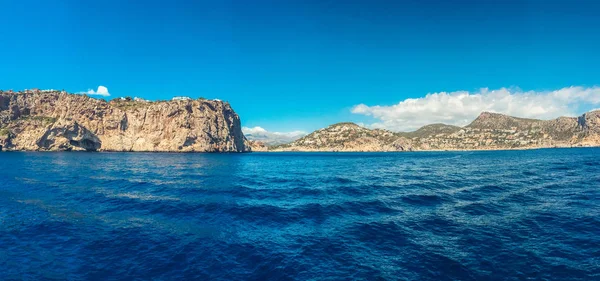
58 121
258 146
490 131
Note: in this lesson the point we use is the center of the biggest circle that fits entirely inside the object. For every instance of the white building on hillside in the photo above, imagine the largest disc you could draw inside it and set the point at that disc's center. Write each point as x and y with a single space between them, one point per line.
181 98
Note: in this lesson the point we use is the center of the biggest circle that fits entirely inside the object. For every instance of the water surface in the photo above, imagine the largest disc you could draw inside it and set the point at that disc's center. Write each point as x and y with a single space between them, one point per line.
503 215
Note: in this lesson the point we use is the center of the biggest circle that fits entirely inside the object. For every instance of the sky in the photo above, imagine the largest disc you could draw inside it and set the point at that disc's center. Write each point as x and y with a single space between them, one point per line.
300 65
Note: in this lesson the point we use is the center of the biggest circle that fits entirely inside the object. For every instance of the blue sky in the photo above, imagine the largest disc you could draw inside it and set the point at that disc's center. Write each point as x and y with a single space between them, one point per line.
301 65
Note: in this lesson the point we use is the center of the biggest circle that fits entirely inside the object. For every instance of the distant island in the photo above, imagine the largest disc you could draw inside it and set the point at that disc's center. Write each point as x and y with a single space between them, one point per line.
52 120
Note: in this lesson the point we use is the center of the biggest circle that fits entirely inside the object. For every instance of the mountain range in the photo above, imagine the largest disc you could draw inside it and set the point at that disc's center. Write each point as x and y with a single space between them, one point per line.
36 120
271 138
489 131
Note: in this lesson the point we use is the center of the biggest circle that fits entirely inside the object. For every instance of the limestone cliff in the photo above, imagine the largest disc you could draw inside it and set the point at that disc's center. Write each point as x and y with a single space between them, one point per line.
58 121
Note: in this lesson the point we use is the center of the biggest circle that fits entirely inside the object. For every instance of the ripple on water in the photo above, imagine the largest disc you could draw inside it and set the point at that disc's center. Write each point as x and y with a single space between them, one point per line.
481 208
424 200
505 215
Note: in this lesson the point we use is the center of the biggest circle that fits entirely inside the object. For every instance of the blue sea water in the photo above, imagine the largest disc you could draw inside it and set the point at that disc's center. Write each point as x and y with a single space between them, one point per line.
502 215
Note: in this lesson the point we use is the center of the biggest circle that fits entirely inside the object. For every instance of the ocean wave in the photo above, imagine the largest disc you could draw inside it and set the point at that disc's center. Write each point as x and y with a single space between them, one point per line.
507 215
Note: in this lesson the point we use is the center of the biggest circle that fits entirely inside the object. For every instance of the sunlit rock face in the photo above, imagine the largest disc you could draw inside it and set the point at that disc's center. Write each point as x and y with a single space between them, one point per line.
58 121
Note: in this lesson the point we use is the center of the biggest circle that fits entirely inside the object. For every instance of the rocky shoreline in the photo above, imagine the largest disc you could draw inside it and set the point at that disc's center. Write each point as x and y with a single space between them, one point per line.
429 150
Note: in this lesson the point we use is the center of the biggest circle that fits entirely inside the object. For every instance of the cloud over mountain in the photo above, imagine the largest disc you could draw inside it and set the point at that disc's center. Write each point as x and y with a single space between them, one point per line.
102 91
461 107
271 138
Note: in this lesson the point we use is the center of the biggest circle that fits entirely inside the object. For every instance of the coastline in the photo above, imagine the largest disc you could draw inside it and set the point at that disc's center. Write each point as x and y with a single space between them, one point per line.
299 151
437 150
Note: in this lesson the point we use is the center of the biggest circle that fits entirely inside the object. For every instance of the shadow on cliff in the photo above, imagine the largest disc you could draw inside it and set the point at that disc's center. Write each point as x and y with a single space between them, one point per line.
67 135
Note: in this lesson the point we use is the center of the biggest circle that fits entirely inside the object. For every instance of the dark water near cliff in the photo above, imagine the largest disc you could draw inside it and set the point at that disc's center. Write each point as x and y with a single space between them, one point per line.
508 215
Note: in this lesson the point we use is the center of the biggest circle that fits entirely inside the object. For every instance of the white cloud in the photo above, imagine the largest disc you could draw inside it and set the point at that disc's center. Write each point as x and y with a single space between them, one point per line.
255 130
102 91
461 107
272 138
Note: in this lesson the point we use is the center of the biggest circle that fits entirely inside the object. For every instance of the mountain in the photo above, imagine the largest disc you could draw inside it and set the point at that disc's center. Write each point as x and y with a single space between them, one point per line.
490 120
432 130
559 129
489 131
348 137
58 121
271 138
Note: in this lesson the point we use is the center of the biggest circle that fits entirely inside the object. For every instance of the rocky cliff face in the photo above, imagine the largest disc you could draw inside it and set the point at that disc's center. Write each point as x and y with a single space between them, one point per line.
488 132
58 121
589 123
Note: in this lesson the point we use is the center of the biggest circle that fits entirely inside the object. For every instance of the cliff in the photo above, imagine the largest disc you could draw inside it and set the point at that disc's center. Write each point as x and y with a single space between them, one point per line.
58 121
489 131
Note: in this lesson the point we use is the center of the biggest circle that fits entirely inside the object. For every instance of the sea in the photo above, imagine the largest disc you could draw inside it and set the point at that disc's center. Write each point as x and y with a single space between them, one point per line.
487 215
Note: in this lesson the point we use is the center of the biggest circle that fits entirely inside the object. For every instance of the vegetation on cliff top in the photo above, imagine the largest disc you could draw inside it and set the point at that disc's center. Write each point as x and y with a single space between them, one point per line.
88 123
5 132
431 130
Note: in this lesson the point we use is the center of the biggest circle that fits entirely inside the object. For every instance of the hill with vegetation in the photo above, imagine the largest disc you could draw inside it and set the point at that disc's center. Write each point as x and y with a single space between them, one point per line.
489 131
